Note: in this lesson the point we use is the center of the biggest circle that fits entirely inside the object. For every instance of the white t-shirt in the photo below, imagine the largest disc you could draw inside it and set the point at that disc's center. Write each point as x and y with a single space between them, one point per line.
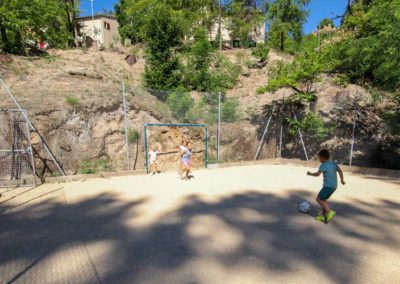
183 149
153 156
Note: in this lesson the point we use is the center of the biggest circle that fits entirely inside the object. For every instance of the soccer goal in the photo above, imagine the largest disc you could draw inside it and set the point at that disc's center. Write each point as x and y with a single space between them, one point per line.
166 138
17 167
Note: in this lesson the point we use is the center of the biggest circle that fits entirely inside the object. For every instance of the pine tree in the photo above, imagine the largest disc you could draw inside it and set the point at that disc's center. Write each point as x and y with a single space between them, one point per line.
286 21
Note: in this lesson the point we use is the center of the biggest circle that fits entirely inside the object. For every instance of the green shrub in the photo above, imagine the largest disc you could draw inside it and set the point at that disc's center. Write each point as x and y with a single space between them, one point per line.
87 168
133 136
180 104
312 124
261 90
301 75
91 167
392 121
197 112
391 116
341 80
230 110
72 100
300 98
376 97
260 52
102 47
229 73
206 69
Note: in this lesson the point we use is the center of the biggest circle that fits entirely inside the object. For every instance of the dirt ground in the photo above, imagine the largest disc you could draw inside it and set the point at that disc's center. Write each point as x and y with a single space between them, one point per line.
227 225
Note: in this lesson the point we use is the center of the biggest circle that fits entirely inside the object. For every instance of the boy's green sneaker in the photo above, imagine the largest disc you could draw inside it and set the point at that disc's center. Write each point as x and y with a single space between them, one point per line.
320 218
330 215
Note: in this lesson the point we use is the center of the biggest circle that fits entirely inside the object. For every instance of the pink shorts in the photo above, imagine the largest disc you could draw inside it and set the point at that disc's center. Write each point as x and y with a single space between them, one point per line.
186 162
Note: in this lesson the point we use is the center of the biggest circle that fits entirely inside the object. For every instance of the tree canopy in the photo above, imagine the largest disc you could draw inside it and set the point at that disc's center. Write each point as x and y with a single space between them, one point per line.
24 23
286 19
367 46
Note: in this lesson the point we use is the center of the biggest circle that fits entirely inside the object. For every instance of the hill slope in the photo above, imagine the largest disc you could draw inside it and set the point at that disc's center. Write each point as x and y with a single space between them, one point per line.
74 98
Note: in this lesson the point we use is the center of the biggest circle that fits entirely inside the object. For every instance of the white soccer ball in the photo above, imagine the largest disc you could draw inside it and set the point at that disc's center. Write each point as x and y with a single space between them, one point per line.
304 207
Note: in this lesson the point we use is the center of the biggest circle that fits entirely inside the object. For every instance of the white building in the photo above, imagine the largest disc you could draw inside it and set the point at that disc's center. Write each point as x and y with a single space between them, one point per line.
102 30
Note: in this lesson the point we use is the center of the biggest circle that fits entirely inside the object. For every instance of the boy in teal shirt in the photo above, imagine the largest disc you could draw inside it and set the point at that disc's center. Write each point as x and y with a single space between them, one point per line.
328 169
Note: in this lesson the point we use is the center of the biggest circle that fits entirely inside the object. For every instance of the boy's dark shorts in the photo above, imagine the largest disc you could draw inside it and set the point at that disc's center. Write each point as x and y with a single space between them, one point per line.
326 192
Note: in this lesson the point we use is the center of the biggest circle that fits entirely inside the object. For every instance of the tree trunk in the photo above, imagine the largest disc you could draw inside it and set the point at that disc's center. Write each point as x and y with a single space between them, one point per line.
220 26
71 17
75 23
282 47
4 38
137 154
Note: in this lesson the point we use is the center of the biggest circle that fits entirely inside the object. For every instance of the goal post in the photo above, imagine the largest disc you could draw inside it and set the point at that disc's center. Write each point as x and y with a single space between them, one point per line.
17 167
148 126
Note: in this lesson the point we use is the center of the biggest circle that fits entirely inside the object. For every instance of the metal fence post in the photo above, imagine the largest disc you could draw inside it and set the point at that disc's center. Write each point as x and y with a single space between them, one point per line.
280 141
301 138
219 127
126 127
30 150
263 136
146 155
34 129
352 135
206 150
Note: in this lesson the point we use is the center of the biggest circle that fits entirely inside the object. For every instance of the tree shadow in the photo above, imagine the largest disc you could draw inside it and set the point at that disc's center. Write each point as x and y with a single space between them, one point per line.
240 230
391 176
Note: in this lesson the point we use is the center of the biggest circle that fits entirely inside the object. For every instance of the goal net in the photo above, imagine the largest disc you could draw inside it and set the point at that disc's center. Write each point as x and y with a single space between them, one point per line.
166 138
16 159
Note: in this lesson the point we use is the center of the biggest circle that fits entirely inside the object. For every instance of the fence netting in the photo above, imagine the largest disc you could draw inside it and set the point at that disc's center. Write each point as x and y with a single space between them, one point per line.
282 128
109 136
16 161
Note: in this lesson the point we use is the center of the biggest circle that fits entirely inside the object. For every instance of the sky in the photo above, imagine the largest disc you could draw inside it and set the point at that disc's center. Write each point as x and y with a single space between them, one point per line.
319 9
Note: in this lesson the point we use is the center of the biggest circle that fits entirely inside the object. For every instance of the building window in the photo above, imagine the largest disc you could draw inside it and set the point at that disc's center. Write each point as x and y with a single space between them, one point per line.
107 26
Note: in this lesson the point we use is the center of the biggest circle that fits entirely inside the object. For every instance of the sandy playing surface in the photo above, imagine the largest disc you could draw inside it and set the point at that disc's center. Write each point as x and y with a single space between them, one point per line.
231 225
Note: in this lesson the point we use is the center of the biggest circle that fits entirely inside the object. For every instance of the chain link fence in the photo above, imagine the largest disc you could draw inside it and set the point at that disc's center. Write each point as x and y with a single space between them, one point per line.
109 136
349 130
16 160
278 129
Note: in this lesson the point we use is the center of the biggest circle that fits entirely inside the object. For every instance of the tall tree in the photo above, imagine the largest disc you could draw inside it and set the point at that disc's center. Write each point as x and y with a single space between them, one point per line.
246 18
130 21
370 50
71 11
163 34
23 23
286 21
131 15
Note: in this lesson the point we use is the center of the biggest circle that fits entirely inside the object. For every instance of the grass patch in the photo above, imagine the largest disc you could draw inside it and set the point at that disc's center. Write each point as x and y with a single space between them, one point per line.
72 100
91 167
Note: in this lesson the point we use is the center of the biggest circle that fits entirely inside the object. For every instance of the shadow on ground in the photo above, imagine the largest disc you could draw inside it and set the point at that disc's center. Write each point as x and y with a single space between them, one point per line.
241 230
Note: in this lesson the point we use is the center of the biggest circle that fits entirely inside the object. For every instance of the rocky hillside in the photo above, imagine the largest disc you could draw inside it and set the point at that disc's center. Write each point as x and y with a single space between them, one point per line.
74 99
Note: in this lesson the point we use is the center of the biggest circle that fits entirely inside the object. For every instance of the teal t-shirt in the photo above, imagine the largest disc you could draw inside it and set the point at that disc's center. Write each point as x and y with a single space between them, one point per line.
329 169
